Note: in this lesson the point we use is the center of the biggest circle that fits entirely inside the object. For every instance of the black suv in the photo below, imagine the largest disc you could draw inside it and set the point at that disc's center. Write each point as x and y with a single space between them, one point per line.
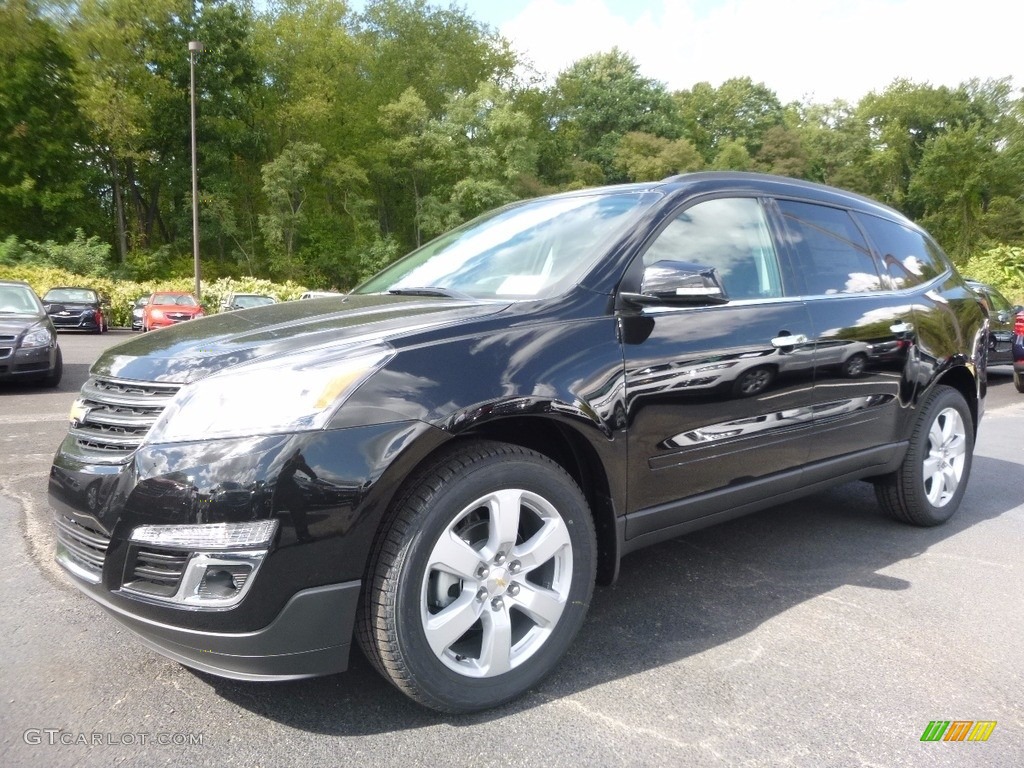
443 463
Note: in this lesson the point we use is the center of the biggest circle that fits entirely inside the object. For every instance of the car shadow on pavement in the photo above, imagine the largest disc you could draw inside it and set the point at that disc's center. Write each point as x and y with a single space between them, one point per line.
672 601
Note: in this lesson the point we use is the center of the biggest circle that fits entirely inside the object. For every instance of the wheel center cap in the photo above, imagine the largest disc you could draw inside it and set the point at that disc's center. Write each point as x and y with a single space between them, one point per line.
497 581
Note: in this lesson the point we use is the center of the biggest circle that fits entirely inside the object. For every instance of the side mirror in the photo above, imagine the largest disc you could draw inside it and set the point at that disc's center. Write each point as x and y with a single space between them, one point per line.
678 283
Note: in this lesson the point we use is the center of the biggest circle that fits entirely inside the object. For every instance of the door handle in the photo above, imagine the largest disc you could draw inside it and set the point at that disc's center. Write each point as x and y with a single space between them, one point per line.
789 340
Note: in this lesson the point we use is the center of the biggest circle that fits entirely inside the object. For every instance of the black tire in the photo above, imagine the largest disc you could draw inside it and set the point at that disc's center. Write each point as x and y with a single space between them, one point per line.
1018 381
855 366
754 381
52 379
454 617
927 488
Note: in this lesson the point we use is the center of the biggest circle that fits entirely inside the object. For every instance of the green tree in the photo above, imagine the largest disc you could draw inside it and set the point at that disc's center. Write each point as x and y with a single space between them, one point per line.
287 184
838 145
739 110
598 100
644 157
45 182
900 121
732 155
782 153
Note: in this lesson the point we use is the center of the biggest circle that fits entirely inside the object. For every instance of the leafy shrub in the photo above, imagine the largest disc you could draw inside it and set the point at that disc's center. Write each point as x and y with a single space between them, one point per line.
11 252
82 256
1003 267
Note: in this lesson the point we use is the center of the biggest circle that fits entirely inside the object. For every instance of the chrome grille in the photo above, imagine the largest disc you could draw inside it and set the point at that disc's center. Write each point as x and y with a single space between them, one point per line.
157 571
82 548
118 414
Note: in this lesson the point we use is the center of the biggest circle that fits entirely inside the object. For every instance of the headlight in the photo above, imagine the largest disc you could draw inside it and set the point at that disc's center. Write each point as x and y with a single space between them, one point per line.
289 394
37 337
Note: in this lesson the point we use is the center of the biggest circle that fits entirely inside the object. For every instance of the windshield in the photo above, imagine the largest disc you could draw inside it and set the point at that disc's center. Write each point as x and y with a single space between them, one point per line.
82 295
252 301
170 298
535 250
18 299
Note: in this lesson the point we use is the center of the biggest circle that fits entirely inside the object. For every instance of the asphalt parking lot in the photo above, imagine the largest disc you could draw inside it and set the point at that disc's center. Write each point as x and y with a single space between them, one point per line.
816 634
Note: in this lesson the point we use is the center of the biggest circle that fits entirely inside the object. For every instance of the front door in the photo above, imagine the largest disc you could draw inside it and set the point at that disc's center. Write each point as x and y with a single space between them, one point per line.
716 399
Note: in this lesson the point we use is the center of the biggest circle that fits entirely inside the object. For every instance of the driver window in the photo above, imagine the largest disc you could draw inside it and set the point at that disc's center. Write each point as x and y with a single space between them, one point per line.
730 234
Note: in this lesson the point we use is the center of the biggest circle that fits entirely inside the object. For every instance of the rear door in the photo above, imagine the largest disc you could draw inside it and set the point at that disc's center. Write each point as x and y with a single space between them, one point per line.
862 332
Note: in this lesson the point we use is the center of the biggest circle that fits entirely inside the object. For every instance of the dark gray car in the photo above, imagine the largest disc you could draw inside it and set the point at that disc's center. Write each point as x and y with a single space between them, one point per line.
28 340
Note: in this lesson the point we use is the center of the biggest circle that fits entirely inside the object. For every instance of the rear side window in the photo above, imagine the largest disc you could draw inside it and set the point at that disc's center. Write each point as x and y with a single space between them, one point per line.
909 258
729 234
830 251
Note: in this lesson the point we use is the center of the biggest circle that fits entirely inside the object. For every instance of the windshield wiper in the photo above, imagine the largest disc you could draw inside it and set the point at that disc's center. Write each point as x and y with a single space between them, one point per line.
431 290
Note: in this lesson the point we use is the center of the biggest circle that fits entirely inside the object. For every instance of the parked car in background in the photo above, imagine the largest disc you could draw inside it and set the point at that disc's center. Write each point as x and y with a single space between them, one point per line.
319 294
169 308
76 309
137 312
246 301
28 341
1018 352
442 464
1001 317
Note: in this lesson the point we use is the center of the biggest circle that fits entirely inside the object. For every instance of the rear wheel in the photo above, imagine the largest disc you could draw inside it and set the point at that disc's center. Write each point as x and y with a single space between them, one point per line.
927 488
1018 381
481 580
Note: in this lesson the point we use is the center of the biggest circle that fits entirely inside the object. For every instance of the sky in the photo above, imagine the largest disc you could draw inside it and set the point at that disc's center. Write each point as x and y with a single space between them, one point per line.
804 50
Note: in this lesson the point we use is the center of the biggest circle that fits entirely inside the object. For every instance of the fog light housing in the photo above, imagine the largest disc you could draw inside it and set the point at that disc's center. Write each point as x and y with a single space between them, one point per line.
215 578
223 581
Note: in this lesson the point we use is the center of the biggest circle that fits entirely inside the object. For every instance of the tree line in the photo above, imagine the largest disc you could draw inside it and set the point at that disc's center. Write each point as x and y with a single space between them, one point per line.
331 141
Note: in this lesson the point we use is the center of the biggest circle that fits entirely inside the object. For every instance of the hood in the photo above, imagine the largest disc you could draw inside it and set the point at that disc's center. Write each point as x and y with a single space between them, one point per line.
195 349
13 323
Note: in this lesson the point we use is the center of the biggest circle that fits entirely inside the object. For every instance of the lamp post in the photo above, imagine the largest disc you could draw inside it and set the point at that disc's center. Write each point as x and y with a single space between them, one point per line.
194 47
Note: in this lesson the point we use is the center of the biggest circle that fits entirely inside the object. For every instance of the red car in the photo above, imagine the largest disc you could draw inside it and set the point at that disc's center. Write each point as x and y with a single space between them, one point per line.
168 308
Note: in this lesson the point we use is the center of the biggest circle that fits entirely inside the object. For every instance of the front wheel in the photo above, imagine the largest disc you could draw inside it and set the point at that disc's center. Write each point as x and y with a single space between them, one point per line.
754 382
481 580
855 366
927 488
52 379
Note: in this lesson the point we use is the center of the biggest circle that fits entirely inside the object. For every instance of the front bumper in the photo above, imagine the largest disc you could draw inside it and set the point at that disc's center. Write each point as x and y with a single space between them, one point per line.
86 321
296 618
31 363
311 636
166 320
